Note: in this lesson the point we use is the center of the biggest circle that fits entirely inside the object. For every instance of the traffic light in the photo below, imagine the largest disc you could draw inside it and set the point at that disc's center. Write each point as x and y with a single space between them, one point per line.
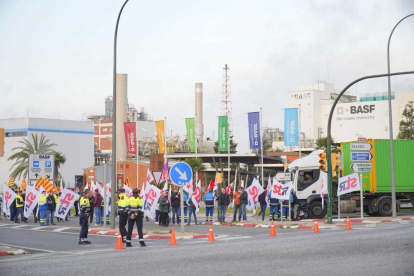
336 162
285 166
322 161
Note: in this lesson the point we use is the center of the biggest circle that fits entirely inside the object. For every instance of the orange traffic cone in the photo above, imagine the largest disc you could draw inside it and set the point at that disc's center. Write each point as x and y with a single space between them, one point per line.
119 244
173 241
272 230
348 224
211 234
316 227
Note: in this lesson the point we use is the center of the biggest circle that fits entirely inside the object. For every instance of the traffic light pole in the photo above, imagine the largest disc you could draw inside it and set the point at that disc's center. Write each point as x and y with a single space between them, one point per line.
329 144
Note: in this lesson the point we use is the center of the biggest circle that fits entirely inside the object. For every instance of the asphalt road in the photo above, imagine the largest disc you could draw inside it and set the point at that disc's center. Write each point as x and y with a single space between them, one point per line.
386 249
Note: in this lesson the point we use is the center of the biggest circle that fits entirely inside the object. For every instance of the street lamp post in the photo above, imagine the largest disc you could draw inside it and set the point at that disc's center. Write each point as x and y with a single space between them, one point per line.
393 195
113 186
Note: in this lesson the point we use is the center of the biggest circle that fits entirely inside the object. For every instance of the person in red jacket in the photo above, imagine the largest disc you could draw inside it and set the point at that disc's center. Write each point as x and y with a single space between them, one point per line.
97 208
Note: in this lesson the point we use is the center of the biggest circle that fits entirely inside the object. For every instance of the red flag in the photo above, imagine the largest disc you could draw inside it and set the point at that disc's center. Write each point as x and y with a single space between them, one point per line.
39 183
211 186
47 185
130 136
229 188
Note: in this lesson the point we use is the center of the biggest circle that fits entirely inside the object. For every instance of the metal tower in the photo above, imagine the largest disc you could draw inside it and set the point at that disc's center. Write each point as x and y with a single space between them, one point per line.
225 108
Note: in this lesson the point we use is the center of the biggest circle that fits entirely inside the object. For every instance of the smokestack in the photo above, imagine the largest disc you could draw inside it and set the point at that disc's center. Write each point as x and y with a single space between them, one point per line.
121 114
199 111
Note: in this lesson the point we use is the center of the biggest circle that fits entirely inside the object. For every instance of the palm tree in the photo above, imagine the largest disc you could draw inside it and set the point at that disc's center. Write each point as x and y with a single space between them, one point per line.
21 156
60 160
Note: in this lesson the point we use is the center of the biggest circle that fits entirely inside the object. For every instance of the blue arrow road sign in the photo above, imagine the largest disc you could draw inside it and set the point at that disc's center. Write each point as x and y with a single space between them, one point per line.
361 156
181 173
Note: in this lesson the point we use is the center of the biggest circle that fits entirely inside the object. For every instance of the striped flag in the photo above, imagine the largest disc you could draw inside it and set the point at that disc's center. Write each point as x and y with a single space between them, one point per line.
126 182
229 188
47 185
39 183
24 184
11 182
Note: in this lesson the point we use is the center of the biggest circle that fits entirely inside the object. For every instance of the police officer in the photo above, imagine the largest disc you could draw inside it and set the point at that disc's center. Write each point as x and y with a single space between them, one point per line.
85 207
135 215
122 212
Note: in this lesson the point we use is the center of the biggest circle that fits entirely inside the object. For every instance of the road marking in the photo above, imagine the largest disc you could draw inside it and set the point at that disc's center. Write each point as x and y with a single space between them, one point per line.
370 225
61 229
4 224
404 222
38 228
19 226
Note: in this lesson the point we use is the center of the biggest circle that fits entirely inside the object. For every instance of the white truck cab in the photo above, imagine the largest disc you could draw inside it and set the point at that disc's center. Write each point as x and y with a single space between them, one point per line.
307 184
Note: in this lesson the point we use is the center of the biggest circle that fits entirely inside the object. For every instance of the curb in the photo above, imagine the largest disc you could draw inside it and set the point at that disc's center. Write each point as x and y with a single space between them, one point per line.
12 252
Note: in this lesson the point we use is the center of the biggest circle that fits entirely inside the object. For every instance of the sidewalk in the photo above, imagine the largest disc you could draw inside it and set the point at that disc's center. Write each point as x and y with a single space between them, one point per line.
6 251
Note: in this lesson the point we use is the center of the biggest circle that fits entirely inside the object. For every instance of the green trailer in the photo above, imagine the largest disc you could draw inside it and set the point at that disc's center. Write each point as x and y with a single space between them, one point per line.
377 182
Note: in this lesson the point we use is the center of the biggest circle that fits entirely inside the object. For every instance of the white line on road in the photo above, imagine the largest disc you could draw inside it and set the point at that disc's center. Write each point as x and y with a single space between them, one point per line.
4 224
19 226
61 229
38 228
38 249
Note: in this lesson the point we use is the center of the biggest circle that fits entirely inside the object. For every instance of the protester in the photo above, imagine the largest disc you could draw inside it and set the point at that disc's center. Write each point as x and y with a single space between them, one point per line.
91 211
135 216
56 196
1 208
223 202
175 204
274 208
19 207
43 206
51 208
77 203
185 198
85 208
295 201
243 202
157 212
263 204
13 209
285 209
236 198
209 201
192 210
163 202
97 207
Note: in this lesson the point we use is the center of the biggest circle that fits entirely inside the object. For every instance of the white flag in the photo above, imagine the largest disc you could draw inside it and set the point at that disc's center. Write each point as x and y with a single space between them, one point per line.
66 201
9 197
32 198
349 183
253 193
268 189
324 185
128 190
165 187
150 177
108 196
98 186
152 195
281 191
142 192
196 197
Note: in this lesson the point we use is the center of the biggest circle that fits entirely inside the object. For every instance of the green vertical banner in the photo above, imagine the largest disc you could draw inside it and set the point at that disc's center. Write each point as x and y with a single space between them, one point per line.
223 134
190 124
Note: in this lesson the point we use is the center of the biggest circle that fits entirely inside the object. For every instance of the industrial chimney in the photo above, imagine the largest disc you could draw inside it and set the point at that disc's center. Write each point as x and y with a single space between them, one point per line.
199 111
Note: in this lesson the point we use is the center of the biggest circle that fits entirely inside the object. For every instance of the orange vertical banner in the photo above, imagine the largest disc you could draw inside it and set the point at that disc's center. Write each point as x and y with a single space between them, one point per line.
159 126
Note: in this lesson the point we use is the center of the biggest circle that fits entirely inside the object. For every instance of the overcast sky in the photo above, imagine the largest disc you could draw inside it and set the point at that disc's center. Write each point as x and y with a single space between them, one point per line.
56 56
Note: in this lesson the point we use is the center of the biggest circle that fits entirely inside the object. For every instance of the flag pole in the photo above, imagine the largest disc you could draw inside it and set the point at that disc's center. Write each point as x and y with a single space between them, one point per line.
261 143
228 150
196 146
137 154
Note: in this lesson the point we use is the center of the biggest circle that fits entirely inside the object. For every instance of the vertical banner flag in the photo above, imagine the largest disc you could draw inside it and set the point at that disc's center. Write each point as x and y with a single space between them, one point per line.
9 197
66 201
253 193
108 197
348 183
229 188
130 129
159 126
281 191
324 185
223 134
254 130
164 175
152 195
190 125
32 198
197 196
291 127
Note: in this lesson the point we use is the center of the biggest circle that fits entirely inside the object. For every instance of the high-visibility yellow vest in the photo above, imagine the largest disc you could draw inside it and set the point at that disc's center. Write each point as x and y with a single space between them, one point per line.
135 204
56 198
19 198
84 202
42 200
123 201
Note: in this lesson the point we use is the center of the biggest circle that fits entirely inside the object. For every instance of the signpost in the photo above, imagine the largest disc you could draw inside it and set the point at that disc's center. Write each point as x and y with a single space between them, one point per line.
282 176
181 174
360 153
41 165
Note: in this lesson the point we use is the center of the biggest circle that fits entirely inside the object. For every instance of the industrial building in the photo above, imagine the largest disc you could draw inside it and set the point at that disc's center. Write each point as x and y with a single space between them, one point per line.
74 139
354 116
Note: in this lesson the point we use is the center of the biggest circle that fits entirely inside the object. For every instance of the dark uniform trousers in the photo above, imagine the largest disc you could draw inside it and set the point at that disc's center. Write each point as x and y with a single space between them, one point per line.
139 221
83 221
123 219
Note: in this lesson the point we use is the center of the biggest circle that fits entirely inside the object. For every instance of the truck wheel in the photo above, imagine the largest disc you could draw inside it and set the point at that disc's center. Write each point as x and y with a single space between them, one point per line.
316 210
385 207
